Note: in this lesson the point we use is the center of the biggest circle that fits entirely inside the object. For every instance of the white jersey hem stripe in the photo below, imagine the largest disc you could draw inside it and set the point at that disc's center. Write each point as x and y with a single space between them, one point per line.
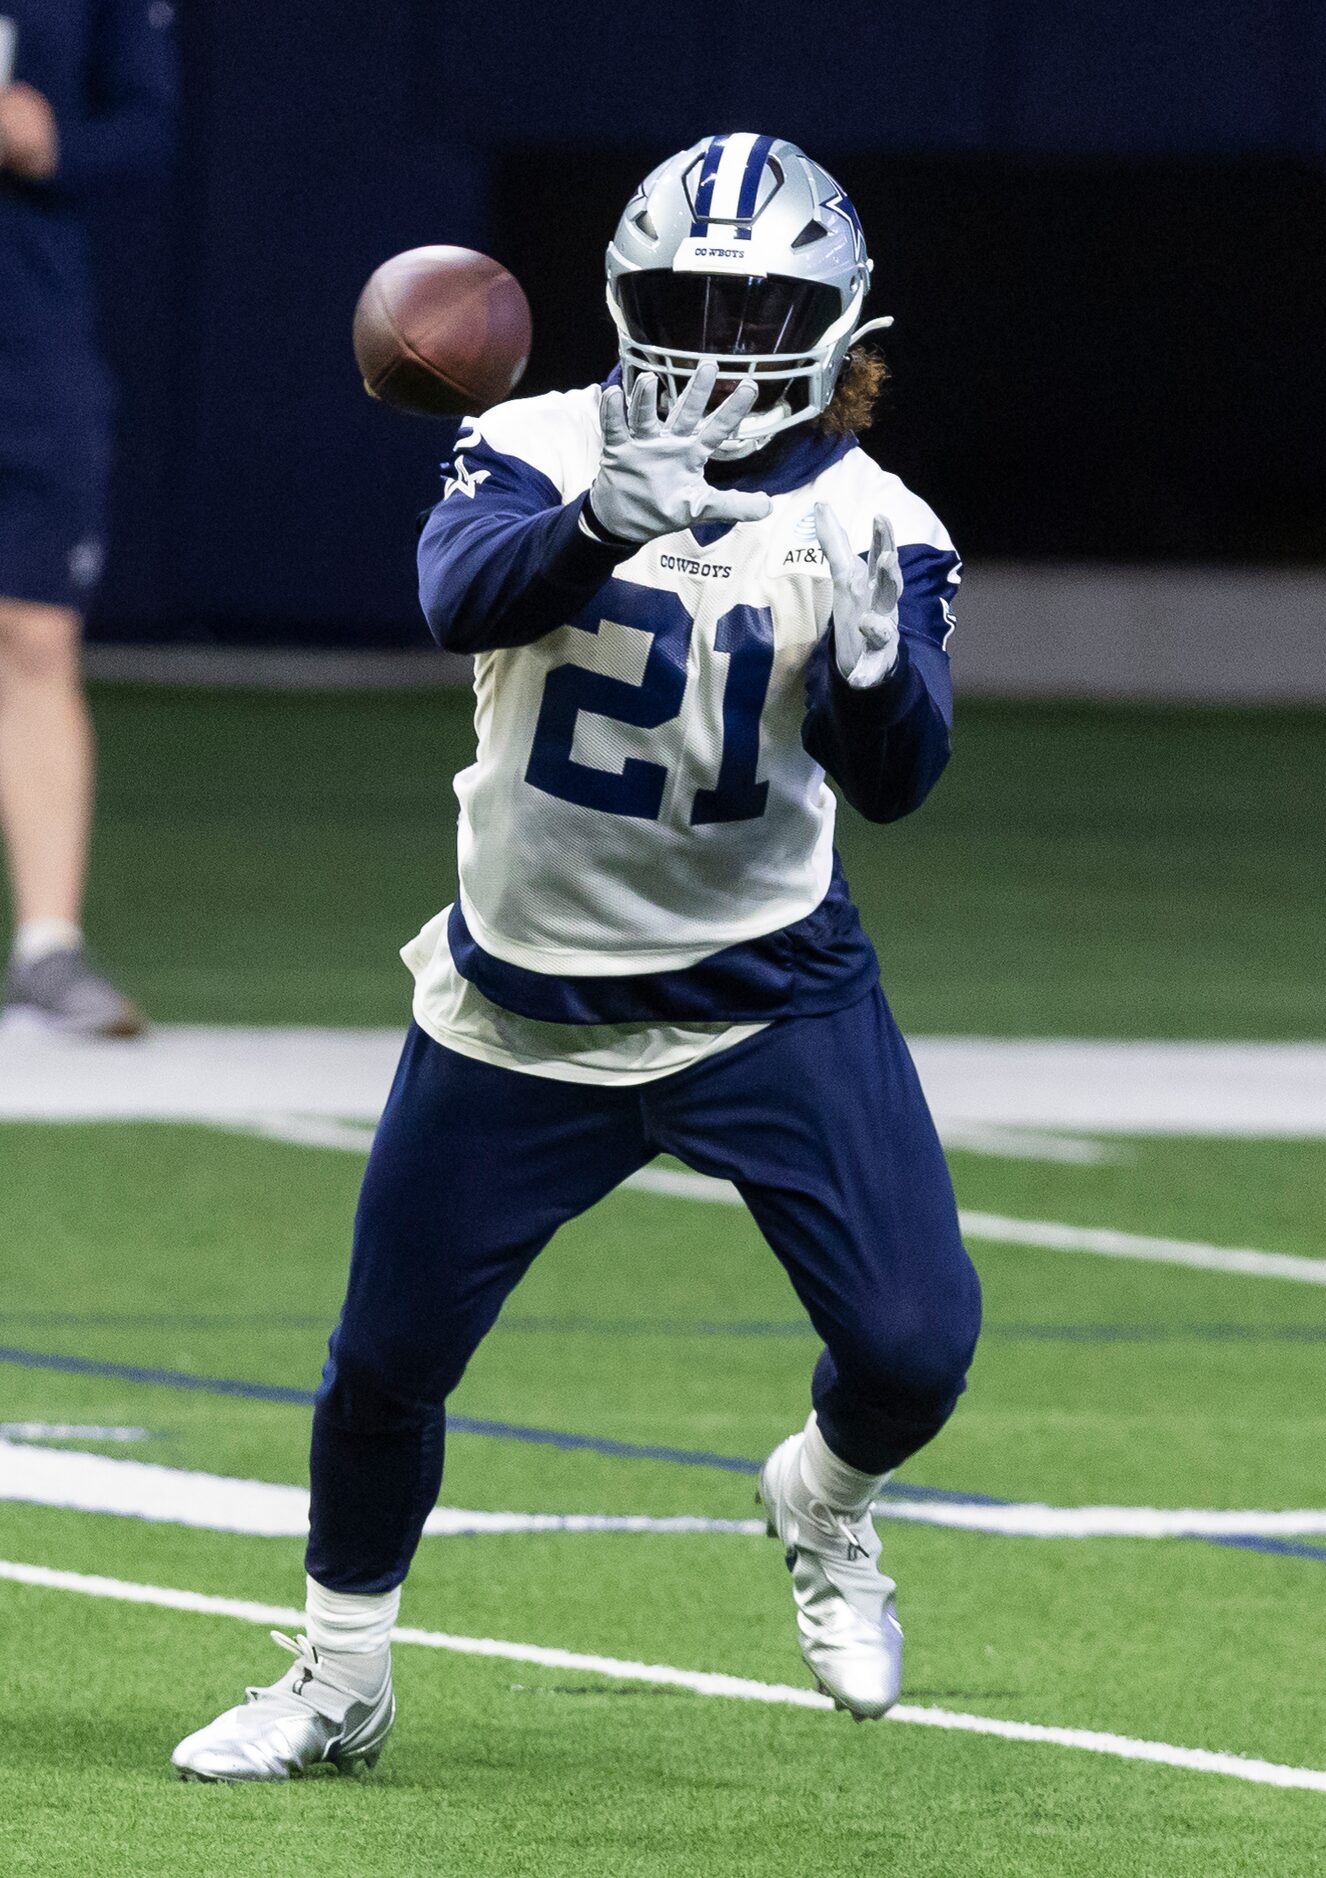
573 962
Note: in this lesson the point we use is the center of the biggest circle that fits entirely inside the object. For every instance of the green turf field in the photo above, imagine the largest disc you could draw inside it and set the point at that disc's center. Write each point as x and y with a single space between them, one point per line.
1077 872
1106 875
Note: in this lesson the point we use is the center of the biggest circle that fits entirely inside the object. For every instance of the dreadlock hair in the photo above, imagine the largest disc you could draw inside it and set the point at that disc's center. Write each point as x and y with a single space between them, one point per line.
860 386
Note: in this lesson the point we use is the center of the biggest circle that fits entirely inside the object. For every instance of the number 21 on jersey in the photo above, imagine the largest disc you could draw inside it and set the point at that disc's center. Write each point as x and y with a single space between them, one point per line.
744 634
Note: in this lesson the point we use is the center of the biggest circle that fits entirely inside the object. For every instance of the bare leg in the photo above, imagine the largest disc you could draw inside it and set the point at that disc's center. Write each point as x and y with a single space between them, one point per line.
45 760
45 812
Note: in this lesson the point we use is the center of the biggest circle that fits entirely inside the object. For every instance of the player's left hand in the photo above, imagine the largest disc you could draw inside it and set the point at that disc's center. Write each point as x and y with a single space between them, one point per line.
29 139
865 599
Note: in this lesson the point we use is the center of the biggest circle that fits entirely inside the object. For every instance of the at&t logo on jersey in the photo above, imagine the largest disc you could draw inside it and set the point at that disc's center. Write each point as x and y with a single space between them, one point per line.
804 552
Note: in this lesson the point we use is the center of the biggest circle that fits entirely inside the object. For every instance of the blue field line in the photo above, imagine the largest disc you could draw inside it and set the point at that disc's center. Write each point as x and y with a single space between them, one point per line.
160 1378
1287 1548
456 1424
542 1437
170 1320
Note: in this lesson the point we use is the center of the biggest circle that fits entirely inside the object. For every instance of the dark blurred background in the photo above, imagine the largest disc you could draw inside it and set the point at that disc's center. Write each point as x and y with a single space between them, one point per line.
1101 233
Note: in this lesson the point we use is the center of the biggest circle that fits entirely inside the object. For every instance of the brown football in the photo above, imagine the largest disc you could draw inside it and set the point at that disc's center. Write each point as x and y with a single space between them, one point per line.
441 331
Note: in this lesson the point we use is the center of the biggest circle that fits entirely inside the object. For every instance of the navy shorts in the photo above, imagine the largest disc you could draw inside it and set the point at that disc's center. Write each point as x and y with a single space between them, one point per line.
52 514
821 1123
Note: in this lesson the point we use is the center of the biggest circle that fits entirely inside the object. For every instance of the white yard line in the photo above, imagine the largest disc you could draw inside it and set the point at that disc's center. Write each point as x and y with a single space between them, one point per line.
457 1521
1032 1520
1107 1243
303 1131
1050 1234
176 1496
264 1509
675 1184
68 1431
698 1682
1030 1144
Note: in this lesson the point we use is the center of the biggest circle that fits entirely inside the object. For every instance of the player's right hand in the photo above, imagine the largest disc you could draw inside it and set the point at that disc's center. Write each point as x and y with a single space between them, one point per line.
651 475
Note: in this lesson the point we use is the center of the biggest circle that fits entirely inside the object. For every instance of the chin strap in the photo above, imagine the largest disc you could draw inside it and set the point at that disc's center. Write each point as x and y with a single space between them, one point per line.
871 326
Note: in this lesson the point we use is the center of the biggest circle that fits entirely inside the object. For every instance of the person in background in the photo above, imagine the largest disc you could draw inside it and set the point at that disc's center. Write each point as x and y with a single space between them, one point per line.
87 98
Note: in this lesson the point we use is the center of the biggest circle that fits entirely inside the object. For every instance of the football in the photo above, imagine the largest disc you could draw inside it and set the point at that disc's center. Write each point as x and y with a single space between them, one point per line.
441 332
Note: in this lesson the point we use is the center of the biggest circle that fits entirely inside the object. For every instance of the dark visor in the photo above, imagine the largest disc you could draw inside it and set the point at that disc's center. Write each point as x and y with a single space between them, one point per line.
733 315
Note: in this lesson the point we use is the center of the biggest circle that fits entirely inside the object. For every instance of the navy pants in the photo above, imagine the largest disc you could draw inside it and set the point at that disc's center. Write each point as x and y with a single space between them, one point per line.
820 1122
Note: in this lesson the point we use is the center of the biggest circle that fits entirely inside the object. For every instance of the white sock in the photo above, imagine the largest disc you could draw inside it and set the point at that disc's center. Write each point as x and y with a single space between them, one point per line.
347 1626
843 1489
36 938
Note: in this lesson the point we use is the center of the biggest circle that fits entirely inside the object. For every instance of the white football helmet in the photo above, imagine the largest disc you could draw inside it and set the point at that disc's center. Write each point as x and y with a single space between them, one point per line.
743 251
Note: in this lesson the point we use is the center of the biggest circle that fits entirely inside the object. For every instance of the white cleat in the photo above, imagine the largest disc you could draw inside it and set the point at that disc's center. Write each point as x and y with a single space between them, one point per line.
310 1716
847 1620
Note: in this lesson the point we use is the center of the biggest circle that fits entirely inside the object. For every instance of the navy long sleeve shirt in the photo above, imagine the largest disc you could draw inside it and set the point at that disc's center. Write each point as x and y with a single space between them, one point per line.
107 68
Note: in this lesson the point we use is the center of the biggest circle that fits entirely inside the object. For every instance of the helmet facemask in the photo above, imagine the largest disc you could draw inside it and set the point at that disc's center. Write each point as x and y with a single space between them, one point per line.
741 253
769 328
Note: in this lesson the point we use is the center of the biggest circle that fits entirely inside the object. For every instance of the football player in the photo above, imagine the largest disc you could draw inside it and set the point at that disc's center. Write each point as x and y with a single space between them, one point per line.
693 599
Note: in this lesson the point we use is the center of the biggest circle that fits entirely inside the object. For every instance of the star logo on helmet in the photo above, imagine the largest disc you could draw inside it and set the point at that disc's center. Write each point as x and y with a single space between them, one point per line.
840 206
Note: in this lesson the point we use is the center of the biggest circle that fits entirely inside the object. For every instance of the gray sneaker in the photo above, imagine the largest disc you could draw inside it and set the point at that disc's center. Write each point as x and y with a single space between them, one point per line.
62 991
311 1716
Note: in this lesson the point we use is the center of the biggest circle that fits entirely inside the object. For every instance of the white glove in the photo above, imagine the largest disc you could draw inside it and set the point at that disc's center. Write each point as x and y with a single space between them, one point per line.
865 600
651 475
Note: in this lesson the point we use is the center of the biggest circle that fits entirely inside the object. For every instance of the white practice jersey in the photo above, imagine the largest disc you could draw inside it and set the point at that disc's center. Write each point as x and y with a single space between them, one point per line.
640 797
